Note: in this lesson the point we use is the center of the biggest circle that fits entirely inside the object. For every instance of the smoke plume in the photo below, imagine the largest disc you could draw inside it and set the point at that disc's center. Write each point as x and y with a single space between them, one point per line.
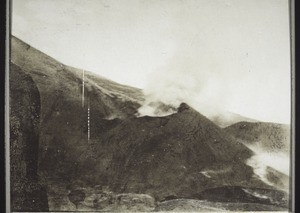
180 80
263 159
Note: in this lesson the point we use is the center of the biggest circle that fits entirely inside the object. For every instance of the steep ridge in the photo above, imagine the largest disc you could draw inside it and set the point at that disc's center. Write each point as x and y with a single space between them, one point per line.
63 131
50 75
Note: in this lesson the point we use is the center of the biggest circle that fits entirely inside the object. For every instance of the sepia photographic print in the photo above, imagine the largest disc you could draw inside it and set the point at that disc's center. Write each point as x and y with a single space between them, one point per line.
150 106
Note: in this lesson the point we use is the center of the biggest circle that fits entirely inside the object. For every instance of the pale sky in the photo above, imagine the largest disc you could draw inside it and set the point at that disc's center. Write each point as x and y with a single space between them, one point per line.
232 53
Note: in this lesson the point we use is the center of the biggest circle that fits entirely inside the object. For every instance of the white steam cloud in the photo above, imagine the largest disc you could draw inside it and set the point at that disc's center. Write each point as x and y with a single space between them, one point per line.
182 80
263 159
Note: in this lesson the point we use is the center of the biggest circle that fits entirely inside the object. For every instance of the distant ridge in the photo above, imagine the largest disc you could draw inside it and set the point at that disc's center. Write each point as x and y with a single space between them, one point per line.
270 136
226 119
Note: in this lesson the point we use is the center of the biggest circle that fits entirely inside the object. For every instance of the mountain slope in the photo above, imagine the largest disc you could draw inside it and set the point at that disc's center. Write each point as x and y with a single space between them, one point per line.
63 132
270 136
178 155
271 144
47 71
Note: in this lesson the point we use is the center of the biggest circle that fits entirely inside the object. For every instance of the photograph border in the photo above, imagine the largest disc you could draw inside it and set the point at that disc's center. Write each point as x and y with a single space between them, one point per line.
8 34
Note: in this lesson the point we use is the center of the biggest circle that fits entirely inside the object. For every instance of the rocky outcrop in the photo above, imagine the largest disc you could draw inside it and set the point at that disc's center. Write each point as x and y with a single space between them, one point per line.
77 197
26 193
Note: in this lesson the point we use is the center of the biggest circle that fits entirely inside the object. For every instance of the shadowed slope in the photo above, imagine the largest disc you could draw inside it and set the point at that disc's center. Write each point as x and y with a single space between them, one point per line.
26 193
176 155
63 131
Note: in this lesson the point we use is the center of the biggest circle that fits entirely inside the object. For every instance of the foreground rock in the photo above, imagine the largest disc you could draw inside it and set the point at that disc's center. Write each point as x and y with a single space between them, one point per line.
96 198
191 205
26 193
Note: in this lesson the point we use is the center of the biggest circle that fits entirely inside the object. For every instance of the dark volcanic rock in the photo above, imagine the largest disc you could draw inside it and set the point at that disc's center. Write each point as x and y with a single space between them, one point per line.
76 196
169 156
26 193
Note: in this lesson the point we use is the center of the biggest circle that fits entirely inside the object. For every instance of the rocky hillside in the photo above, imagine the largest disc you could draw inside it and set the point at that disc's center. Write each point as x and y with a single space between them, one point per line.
176 156
63 131
270 136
